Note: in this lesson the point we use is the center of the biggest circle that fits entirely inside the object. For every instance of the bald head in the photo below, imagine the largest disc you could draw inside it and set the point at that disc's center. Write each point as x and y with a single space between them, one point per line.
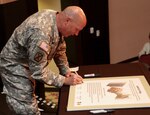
76 14
71 21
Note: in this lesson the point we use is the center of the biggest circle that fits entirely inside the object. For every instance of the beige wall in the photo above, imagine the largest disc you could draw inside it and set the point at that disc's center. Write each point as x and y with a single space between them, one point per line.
129 24
49 4
6 1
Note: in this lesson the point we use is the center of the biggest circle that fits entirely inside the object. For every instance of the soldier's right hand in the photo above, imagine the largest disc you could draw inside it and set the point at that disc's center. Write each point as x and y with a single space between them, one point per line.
73 79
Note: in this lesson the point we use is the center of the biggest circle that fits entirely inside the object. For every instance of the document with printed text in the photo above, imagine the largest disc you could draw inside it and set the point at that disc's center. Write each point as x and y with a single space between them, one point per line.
110 93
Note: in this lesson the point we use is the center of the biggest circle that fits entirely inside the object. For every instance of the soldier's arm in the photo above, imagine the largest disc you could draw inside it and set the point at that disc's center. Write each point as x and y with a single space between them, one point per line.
61 60
38 50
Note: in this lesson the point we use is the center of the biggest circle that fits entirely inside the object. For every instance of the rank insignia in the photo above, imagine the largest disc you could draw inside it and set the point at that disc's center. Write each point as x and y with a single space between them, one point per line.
38 56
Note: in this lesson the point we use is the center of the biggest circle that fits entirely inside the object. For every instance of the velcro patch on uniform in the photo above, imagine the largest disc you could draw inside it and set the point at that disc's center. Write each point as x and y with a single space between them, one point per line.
45 46
38 56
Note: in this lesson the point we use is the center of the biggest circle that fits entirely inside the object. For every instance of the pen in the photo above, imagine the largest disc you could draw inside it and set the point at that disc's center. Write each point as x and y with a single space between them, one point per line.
92 75
76 72
101 111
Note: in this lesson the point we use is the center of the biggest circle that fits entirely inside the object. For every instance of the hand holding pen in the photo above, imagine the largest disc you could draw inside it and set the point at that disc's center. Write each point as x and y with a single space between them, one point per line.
73 79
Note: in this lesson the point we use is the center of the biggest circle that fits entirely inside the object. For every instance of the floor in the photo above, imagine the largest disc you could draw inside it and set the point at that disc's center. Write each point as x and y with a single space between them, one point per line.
4 108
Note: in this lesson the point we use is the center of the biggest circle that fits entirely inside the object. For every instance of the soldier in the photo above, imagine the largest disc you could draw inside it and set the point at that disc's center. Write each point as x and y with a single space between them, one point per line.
26 56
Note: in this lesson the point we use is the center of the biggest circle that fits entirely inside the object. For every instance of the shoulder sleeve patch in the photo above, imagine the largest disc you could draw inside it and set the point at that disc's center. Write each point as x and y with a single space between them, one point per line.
45 46
38 56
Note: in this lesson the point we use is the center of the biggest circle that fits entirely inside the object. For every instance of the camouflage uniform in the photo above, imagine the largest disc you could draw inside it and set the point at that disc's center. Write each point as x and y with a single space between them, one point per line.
25 59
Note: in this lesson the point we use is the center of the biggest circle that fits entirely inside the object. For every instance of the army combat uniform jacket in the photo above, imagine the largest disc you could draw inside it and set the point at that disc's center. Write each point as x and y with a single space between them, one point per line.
26 55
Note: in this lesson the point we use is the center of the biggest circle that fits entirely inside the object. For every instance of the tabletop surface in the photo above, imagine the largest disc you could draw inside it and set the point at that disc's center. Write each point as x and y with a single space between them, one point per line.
108 70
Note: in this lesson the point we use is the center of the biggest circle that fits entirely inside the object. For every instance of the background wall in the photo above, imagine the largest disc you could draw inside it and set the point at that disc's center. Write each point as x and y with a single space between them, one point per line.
49 4
6 1
129 27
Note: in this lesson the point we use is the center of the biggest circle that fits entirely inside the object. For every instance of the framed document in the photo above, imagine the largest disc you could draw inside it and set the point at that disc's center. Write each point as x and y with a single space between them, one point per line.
110 93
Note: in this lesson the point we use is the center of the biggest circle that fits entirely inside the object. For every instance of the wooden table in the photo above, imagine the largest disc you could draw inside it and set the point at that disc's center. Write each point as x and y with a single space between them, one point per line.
108 70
